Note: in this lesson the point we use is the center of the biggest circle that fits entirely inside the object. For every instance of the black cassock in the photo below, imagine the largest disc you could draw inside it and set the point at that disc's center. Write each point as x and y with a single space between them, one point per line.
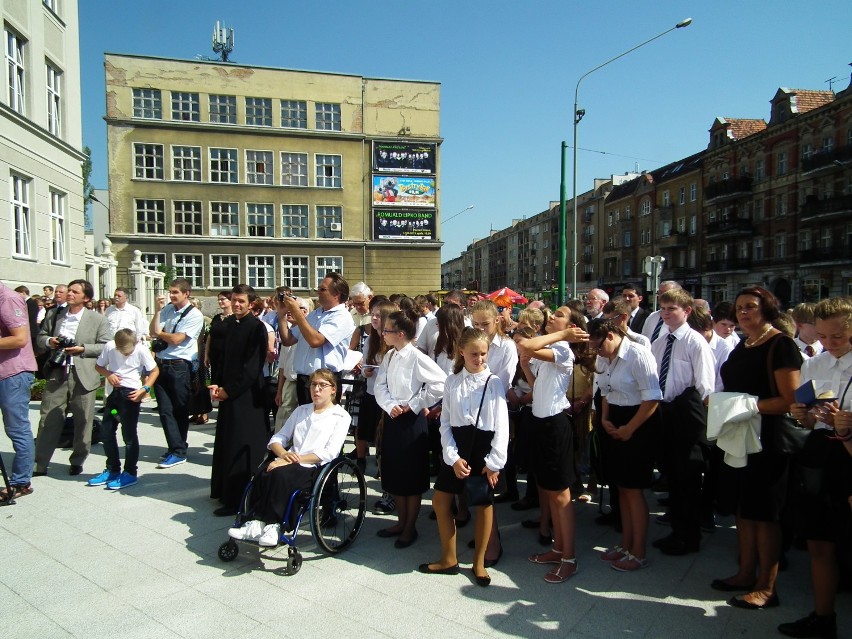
242 429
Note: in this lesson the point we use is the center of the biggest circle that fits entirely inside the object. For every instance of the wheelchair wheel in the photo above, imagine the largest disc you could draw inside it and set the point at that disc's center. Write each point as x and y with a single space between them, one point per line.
229 550
294 561
338 505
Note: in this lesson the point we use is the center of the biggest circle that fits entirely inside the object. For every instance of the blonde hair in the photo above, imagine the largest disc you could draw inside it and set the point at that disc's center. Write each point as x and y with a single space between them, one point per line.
468 336
125 339
325 375
532 317
487 306
835 307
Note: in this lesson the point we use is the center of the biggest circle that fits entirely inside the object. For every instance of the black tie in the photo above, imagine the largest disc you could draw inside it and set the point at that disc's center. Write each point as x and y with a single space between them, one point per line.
657 329
664 367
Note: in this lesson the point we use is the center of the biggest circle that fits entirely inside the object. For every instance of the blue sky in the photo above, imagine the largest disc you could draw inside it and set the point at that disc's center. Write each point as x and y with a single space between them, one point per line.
508 72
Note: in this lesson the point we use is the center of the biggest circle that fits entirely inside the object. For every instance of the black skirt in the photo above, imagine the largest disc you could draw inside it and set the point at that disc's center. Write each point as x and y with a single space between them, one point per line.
271 491
631 464
473 445
368 417
552 451
405 455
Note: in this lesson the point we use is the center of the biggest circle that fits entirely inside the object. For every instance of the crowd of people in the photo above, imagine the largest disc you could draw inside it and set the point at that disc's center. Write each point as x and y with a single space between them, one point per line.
740 409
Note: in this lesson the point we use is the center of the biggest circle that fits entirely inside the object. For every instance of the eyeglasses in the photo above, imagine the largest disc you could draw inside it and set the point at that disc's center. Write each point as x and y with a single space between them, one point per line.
321 385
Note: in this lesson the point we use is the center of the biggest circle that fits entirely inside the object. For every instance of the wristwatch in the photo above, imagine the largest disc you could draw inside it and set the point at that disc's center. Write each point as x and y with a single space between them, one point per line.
147 389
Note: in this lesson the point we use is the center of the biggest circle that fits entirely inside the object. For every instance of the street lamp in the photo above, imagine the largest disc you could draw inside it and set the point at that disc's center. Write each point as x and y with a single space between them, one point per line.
457 214
578 115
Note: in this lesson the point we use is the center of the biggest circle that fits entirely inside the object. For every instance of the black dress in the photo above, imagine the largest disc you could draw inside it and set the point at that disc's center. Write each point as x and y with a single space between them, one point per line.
242 431
759 490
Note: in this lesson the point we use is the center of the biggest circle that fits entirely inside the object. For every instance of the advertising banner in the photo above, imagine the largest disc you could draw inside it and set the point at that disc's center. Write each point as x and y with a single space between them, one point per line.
404 157
400 224
398 190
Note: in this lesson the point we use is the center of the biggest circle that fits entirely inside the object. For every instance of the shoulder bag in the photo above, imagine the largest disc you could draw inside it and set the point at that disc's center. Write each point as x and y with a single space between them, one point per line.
477 490
788 437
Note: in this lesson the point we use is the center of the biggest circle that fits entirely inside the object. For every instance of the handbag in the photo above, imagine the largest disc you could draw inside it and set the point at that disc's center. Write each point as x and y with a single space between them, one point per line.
477 490
788 437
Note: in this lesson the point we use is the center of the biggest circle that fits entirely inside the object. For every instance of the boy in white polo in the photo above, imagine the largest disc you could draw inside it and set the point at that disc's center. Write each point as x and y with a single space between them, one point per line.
124 363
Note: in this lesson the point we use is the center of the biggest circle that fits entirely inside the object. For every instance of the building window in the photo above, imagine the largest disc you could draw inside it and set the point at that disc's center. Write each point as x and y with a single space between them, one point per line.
693 192
294 169
50 4
667 200
294 220
294 272
224 219
681 224
294 114
147 104
261 271
54 99
805 240
645 207
223 165
827 144
744 250
148 161
627 210
780 206
259 167
190 267
807 151
757 249
330 222
57 227
186 163
15 68
329 171
259 220
780 246
21 216
224 271
326 265
328 116
223 109
154 261
187 217
259 111
150 217
758 170
626 239
609 218
825 238
782 163
186 107
682 195
627 267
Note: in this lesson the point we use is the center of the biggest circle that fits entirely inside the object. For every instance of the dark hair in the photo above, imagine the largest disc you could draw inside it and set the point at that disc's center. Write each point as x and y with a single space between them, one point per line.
244 289
450 326
86 285
225 294
577 318
432 299
770 308
182 284
22 289
339 286
723 311
456 295
630 287
577 305
405 321
406 304
700 320
376 346
284 289
378 299
122 289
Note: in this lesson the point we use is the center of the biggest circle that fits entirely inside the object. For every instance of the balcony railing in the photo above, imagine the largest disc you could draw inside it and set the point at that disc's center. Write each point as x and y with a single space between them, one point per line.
841 253
827 207
731 188
834 158
730 226
730 264
673 239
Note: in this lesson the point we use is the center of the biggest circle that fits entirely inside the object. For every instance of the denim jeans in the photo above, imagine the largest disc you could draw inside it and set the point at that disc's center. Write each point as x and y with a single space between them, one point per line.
173 391
128 413
15 406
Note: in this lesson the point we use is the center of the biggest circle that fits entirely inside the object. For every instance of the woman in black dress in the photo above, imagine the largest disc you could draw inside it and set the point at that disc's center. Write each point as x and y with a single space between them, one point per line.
756 493
214 349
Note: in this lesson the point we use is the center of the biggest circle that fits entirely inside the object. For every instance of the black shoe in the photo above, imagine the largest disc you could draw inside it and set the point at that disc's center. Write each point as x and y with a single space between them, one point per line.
387 533
492 562
665 519
482 581
662 541
39 473
506 498
607 519
405 543
532 524
523 504
724 586
225 511
811 626
677 547
352 454
426 570
708 524
74 470
461 523
739 602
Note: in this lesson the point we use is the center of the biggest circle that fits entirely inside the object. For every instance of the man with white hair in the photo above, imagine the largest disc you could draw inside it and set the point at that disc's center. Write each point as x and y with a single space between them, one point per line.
359 297
595 300
654 323
535 305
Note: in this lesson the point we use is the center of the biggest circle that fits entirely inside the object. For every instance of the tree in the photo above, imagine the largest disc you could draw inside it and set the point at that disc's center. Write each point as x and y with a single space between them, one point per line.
88 189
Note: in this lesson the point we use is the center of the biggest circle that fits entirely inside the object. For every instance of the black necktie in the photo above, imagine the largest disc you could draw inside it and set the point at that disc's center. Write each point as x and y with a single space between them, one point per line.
664 367
657 329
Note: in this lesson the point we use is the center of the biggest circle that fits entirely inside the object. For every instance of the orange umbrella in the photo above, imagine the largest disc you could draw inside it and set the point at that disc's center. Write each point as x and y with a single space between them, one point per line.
516 298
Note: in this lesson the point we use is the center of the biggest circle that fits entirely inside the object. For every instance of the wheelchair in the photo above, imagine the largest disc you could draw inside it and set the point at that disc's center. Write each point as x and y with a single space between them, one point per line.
335 507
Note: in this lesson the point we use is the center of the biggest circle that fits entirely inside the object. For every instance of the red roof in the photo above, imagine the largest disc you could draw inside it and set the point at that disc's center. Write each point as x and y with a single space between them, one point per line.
806 100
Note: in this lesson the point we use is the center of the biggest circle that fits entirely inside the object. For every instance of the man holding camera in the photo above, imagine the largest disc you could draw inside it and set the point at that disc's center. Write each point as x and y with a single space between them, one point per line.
175 328
75 341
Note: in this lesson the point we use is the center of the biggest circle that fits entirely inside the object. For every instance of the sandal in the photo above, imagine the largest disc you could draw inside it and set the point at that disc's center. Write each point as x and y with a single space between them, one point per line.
540 558
15 492
555 576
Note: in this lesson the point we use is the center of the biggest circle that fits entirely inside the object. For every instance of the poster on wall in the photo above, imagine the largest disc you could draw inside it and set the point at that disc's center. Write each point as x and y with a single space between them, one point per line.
398 190
404 157
400 224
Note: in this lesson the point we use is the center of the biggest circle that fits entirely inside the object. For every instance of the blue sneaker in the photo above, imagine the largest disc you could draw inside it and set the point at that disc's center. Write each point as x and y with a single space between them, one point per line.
171 460
122 481
104 478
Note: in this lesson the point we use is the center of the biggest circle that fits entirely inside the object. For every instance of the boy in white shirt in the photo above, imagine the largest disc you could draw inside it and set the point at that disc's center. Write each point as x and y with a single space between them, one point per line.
123 363
806 332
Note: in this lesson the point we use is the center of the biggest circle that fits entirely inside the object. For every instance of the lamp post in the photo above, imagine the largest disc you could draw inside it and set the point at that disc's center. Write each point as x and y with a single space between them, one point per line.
467 208
578 115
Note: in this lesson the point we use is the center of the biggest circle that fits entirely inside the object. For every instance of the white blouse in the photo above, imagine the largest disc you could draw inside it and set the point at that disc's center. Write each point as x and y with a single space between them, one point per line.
462 395
829 373
319 433
503 359
631 377
443 360
551 381
409 377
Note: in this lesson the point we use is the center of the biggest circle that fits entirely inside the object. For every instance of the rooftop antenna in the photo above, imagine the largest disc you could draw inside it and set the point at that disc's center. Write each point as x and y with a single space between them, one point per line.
223 40
831 82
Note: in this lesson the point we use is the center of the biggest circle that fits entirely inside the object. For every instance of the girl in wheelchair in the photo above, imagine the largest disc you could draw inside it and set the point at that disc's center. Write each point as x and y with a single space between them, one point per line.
315 433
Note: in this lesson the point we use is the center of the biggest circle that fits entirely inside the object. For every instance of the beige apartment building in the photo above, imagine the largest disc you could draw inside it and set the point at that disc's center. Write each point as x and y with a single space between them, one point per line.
225 173
41 183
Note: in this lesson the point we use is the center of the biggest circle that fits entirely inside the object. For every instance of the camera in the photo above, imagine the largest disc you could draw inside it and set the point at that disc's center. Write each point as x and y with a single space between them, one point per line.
283 296
158 345
58 357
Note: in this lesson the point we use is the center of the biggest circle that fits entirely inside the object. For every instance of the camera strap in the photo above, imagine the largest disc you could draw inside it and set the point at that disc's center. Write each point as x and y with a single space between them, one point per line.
189 307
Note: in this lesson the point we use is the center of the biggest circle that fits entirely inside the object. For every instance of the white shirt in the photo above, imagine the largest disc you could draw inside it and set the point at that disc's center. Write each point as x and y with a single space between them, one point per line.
129 368
462 395
70 324
829 373
427 335
691 363
721 349
816 346
631 377
319 433
336 326
503 359
551 381
733 339
421 324
443 360
650 324
190 325
127 317
639 338
408 377
286 356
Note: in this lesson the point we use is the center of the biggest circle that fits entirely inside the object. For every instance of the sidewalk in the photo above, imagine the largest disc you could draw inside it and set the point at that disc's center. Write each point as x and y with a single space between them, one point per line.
91 563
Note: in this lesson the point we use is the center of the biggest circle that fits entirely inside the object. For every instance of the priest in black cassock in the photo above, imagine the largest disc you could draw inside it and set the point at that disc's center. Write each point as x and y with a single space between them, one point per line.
242 431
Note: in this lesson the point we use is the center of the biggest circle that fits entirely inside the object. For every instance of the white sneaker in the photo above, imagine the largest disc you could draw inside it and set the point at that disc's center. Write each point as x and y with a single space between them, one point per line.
250 531
271 535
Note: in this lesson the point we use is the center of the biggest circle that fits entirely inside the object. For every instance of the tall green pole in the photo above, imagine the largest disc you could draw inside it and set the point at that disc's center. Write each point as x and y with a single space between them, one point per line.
563 232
